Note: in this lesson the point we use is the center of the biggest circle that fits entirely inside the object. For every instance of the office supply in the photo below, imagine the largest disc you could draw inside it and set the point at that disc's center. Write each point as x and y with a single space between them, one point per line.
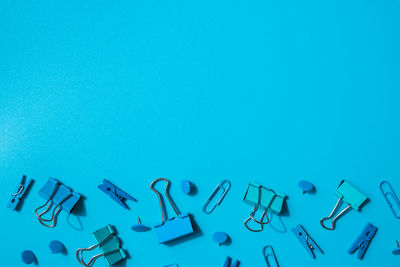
269 253
172 265
222 187
115 193
348 194
235 263
396 251
306 240
59 195
220 237
28 257
228 262
56 247
306 186
363 241
176 227
389 193
186 187
109 245
139 227
19 194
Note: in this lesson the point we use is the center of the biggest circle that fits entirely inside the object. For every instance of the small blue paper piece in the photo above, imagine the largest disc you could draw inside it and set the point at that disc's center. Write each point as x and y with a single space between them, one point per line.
220 238
186 187
139 227
56 247
306 186
174 228
28 257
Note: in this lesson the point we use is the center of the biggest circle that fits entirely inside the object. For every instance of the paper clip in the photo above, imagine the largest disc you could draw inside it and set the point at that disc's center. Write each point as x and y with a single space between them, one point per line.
390 193
59 195
109 245
363 241
307 242
115 193
348 194
220 187
176 227
268 252
19 194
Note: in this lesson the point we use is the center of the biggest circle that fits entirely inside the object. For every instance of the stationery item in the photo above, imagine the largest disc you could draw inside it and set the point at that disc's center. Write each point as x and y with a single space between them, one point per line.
59 195
220 237
56 247
396 251
363 241
269 253
172 265
228 262
306 240
222 187
28 257
186 187
115 193
348 194
19 194
176 227
391 198
306 186
109 245
139 227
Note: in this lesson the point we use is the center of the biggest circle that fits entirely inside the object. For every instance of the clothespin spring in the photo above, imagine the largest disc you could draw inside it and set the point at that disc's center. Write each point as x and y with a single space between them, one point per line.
20 190
333 213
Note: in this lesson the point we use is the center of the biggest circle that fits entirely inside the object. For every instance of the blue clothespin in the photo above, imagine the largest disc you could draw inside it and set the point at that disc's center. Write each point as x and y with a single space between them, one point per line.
363 241
228 262
115 193
17 197
307 242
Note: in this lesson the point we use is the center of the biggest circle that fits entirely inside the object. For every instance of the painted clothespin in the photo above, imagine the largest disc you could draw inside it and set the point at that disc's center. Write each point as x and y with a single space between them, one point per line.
19 194
173 228
115 193
363 241
59 195
348 194
109 245
222 187
306 240
228 262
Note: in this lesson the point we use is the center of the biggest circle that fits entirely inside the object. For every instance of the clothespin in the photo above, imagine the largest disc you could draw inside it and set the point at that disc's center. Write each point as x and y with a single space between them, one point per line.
115 193
228 262
307 242
19 194
363 241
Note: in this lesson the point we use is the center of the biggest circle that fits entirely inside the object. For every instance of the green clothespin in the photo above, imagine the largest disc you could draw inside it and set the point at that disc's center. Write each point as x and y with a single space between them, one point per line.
348 194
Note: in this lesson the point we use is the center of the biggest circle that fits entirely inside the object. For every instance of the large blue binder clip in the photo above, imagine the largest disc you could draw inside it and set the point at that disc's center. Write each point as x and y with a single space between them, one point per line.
19 194
59 195
176 227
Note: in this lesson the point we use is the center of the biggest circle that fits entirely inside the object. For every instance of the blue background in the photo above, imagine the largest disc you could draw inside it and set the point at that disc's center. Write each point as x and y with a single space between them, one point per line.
263 91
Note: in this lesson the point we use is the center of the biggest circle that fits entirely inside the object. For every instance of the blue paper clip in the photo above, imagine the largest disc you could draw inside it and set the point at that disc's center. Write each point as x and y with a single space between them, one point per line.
115 193
307 242
220 187
389 192
363 241
19 194
268 252
176 227
59 195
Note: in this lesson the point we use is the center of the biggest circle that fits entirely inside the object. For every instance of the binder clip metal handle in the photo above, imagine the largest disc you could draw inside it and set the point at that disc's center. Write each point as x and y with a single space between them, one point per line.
163 213
261 222
333 224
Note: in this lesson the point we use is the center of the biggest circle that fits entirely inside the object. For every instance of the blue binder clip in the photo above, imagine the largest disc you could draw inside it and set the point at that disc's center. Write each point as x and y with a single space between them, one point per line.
17 197
176 227
115 193
307 242
59 195
363 241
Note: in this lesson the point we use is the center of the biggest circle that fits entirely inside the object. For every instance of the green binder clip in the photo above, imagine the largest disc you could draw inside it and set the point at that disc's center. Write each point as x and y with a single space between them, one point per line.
264 198
348 194
109 244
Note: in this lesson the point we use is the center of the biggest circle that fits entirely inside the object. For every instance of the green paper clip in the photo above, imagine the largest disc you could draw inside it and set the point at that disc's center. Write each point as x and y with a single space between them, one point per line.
348 194
109 245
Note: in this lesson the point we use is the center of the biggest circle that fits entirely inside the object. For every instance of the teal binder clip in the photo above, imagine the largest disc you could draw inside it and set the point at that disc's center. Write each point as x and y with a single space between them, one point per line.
109 245
264 198
349 194
176 227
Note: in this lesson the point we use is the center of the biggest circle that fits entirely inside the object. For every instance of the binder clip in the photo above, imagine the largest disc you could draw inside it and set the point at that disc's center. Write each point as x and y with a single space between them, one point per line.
59 195
349 194
264 198
363 241
176 227
115 193
109 245
19 194
268 252
307 242
224 187
394 204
